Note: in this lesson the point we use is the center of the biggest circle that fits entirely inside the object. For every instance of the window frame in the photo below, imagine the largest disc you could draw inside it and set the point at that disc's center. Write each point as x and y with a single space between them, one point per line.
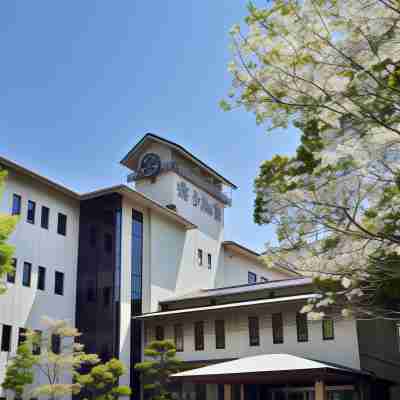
27 283
45 217
21 335
277 331
200 257
41 272
254 330
16 199
324 335
199 336
12 275
6 338
209 261
220 334
36 345
179 337
62 223
302 324
57 287
251 276
31 212
159 332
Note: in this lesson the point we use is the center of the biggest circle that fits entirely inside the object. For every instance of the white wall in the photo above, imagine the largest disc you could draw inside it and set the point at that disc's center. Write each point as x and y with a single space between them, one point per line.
24 306
342 350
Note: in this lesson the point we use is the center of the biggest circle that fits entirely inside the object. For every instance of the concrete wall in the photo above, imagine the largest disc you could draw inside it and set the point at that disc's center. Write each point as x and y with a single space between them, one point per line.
342 350
24 306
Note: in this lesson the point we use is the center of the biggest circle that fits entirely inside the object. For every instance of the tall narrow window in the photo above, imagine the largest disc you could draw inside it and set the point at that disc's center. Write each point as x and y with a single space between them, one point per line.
178 334
160 332
59 283
200 257
6 338
277 328
26 274
62 224
21 336
30 217
106 296
11 275
199 335
302 327
251 277
41 282
254 331
328 330
220 334
56 344
16 204
209 261
44 220
36 344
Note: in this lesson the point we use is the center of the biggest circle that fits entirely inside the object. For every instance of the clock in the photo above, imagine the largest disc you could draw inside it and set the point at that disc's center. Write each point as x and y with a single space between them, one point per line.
150 165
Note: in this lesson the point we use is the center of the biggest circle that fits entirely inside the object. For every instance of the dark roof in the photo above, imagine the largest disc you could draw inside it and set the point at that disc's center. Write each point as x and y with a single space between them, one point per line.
149 135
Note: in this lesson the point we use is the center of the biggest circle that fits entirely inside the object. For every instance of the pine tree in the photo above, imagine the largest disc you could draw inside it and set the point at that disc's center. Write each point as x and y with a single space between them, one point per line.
101 383
161 363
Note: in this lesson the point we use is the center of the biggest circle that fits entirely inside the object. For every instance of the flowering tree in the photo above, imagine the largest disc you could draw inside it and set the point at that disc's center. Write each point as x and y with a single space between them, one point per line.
332 69
7 225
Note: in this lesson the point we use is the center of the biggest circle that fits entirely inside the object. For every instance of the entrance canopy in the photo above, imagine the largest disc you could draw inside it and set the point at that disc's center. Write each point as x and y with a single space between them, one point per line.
271 369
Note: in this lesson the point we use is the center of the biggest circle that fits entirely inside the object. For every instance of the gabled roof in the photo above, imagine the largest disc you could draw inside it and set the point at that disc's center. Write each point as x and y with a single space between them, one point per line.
151 137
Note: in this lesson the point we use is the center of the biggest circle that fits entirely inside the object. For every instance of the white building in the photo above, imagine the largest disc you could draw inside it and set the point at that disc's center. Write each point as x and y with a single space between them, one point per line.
130 265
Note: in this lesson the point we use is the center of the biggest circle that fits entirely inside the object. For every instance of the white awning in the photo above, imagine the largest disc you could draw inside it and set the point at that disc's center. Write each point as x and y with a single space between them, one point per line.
301 297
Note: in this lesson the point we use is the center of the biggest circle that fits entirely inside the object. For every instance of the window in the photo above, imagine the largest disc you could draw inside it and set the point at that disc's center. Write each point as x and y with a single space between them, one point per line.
159 332
209 261
220 334
106 295
41 283
21 336
199 335
56 344
178 333
62 224
277 328
108 243
26 274
31 212
254 331
251 277
11 275
328 330
200 390
6 338
302 327
16 204
36 343
44 221
200 257
59 284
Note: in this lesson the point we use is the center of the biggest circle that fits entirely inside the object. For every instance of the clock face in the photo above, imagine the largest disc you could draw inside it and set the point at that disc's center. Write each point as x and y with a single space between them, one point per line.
151 164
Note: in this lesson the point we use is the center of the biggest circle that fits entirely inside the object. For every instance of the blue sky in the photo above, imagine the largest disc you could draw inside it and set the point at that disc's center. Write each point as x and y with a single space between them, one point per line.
82 81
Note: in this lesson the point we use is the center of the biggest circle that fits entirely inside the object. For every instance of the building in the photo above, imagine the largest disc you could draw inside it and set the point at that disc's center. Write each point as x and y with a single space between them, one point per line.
128 265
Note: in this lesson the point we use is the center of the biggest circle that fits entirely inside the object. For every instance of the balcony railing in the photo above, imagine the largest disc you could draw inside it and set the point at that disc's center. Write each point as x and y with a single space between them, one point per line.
190 176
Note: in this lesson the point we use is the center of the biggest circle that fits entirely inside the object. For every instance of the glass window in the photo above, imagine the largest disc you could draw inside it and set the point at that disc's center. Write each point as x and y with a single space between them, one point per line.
251 277
41 283
6 338
21 336
209 261
159 332
328 331
254 331
200 390
59 283
44 221
220 334
26 274
178 333
200 257
106 295
11 275
277 328
31 212
199 335
16 204
37 343
62 224
302 327
56 344
108 242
